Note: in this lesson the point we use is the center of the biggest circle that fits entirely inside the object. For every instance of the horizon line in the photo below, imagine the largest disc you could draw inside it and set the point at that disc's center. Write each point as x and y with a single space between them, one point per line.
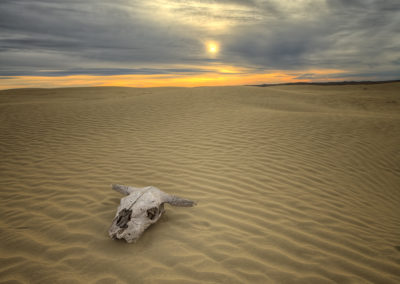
327 83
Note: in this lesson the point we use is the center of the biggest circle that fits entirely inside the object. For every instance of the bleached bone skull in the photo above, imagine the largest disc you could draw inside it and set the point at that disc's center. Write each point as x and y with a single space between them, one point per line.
139 209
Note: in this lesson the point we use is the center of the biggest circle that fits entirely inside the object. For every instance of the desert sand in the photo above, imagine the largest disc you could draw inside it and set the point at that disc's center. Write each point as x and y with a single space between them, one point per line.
294 184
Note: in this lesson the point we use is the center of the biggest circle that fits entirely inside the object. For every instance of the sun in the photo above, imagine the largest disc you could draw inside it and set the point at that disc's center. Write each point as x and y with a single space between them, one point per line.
212 47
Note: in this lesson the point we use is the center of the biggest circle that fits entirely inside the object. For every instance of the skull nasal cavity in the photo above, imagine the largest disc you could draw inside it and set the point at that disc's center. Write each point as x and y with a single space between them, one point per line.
152 212
124 217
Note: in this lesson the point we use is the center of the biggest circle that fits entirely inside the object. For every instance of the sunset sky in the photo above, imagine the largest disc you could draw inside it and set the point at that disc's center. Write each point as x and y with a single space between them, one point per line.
52 43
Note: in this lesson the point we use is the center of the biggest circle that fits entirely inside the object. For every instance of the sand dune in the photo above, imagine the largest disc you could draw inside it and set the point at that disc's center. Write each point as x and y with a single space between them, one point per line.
294 184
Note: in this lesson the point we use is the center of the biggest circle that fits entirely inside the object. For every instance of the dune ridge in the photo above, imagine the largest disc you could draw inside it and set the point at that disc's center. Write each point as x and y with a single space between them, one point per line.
294 184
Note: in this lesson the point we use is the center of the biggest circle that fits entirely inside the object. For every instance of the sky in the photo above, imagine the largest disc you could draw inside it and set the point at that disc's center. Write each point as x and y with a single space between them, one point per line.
58 43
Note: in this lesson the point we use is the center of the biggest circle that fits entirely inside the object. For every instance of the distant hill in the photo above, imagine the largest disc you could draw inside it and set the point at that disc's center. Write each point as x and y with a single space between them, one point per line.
330 83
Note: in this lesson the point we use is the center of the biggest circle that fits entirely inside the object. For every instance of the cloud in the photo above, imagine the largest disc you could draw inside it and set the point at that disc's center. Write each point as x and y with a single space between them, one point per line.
329 36
158 37
97 32
104 72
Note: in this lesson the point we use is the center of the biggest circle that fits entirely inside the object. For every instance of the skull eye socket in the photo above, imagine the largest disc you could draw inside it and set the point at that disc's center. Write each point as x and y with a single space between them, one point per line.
123 218
152 213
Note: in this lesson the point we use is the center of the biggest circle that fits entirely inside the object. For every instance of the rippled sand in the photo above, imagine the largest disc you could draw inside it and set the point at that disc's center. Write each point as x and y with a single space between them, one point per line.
294 184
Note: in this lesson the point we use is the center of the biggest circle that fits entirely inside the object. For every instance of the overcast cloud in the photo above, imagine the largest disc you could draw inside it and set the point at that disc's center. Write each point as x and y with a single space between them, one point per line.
98 37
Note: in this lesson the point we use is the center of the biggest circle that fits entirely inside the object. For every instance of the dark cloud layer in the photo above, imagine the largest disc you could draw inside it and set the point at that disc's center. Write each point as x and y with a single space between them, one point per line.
103 72
98 37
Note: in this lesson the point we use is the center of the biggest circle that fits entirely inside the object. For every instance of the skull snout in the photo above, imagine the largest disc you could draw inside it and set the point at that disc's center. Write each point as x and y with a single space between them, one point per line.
131 222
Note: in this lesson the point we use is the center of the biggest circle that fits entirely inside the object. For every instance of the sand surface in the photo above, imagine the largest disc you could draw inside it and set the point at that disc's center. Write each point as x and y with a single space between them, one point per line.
294 184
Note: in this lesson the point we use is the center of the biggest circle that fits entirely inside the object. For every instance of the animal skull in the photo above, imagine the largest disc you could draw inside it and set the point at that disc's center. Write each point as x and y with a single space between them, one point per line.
139 209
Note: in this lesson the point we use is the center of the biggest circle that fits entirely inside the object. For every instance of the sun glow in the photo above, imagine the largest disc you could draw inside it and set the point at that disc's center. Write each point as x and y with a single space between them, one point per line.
212 47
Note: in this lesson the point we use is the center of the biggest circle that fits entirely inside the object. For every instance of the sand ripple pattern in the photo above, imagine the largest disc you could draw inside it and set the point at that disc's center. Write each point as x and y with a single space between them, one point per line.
295 184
